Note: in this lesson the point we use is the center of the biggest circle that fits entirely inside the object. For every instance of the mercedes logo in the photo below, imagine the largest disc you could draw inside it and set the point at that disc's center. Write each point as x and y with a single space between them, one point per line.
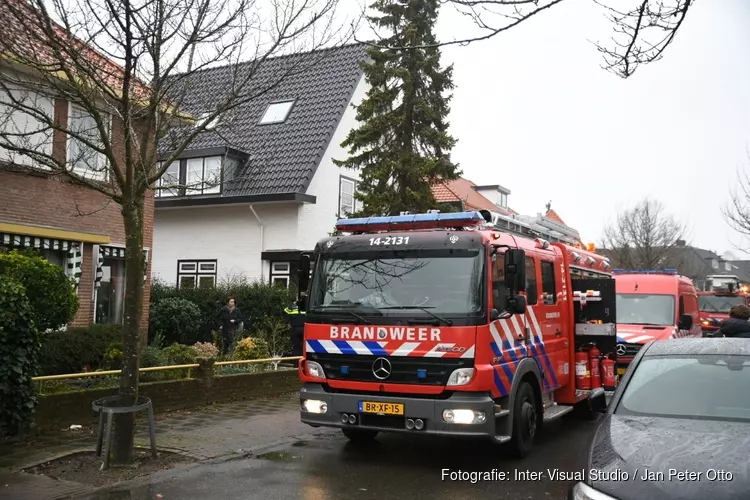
621 349
381 368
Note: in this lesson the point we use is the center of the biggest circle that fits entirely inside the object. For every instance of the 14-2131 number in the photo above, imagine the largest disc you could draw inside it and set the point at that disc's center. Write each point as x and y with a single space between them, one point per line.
390 240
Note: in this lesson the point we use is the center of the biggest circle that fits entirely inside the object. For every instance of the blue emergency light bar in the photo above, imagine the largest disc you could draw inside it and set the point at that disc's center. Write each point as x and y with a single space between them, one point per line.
411 221
645 271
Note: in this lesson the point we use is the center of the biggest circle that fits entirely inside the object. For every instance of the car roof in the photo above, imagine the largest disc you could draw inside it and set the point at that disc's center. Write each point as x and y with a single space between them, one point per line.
688 346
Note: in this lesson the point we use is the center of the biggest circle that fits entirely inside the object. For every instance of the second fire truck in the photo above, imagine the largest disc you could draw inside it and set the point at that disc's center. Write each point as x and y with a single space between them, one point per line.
714 305
440 324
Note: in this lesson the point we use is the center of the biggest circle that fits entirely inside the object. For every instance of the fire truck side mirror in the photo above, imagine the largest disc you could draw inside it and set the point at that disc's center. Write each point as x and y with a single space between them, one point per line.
686 322
515 270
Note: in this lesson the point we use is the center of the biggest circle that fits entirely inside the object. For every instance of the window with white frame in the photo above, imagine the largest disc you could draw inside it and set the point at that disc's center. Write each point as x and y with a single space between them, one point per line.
276 112
727 266
25 130
347 203
196 273
170 181
503 200
203 175
110 295
84 159
715 263
280 273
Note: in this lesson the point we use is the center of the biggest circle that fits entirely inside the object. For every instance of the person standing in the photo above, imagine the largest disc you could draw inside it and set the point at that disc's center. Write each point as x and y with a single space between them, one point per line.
737 325
296 319
229 319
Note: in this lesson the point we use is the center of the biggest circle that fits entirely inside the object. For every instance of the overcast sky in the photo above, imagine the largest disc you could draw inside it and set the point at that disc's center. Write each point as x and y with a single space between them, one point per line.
534 112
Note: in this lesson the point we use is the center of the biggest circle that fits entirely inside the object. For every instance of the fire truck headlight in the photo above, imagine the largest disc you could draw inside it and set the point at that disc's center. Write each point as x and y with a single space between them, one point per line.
462 376
314 369
314 406
583 492
464 416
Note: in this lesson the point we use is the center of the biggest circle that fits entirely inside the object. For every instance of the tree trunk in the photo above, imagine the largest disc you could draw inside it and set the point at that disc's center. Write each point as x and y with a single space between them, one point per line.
132 214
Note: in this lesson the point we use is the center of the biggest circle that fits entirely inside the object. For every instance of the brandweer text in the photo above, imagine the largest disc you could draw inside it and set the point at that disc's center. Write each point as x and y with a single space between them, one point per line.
382 333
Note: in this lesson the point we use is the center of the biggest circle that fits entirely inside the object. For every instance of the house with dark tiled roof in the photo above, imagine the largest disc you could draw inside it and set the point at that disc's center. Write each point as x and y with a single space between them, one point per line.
274 189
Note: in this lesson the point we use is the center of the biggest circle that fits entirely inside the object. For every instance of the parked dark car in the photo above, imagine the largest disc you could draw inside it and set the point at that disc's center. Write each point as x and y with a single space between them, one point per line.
678 426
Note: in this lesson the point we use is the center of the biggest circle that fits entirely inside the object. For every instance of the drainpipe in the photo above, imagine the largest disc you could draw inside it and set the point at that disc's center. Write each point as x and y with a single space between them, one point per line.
262 232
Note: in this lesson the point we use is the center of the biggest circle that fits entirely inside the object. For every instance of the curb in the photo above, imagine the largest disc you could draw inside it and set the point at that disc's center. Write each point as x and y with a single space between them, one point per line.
249 453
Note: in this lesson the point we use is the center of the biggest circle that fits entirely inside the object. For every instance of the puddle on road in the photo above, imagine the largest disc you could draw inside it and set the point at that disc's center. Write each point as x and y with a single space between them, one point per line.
299 444
276 455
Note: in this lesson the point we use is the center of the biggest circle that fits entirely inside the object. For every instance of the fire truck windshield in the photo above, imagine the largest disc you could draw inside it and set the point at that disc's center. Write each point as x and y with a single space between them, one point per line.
645 309
719 303
414 282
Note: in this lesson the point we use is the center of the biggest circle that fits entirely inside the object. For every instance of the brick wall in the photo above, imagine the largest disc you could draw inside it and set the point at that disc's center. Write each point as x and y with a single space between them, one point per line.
62 410
53 200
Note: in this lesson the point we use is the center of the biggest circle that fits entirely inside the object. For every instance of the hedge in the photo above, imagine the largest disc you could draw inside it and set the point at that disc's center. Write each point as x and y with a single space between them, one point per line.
257 300
19 346
77 349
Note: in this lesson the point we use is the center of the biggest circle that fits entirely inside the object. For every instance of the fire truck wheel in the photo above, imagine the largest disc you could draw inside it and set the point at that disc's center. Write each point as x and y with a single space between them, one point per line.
359 435
525 421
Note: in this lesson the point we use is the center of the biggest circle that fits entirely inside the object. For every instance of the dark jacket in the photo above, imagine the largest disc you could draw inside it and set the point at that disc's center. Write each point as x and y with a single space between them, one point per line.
735 327
226 315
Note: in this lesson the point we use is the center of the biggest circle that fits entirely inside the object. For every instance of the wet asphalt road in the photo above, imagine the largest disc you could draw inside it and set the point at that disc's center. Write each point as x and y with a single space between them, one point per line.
396 467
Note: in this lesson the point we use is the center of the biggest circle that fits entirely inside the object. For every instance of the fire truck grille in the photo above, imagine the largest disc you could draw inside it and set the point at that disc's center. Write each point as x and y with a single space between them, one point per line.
404 369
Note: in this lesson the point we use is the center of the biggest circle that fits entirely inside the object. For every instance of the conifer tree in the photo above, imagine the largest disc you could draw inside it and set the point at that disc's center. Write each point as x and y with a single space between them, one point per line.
402 147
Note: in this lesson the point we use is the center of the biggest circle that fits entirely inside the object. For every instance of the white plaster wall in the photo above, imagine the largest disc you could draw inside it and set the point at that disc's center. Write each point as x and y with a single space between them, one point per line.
229 234
316 221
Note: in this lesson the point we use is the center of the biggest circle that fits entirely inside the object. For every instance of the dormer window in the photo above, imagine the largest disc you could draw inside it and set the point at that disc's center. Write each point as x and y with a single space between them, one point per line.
503 200
276 112
192 176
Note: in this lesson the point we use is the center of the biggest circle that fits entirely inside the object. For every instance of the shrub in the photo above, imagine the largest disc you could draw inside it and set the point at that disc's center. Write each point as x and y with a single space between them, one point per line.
251 348
113 356
256 300
177 319
277 335
70 350
19 347
206 350
151 356
178 354
50 292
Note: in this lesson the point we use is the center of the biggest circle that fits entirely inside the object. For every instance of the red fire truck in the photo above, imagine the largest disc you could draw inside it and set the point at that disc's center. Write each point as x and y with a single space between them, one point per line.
715 305
441 324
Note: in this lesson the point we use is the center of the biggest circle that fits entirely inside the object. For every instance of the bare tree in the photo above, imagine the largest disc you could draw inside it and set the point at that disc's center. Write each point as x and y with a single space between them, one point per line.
737 211
641 33
645 237
127 67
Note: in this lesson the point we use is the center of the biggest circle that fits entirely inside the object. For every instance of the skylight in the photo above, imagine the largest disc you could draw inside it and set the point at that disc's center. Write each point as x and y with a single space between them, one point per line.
276 112
211 125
